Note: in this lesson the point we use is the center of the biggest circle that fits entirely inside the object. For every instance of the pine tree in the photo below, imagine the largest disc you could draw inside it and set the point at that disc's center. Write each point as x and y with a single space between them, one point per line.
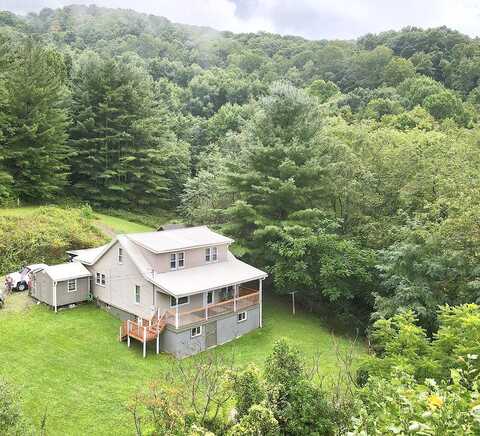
35 111
125 150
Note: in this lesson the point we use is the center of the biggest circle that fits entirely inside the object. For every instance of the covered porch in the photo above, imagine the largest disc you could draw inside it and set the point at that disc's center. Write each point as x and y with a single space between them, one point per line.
243 297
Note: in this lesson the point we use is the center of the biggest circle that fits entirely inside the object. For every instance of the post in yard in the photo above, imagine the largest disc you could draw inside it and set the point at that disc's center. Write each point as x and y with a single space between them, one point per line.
293 301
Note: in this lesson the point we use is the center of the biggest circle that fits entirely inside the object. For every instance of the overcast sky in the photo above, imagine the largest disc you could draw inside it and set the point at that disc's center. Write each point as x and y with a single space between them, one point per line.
313 19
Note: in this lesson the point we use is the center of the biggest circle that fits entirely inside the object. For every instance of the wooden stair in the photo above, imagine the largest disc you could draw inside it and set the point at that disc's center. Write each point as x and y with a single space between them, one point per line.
143 331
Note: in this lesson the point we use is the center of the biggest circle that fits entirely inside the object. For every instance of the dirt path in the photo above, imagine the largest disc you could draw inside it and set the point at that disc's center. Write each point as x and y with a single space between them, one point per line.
17 302
106 230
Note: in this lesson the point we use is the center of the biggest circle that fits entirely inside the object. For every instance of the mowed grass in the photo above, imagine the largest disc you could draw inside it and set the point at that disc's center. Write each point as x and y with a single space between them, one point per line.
108 223
71 365
119 225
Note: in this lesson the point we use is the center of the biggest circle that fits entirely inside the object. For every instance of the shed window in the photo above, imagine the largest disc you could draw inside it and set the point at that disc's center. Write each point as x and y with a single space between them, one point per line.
242 316
181 301
120 255
196 331
72 285
137 294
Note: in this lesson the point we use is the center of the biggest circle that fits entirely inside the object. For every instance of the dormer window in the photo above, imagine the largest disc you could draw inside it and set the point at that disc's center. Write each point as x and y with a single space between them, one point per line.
211 254
177 260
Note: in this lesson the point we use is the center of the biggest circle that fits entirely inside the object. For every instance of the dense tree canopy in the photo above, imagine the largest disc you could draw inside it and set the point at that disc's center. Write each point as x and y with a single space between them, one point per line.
347 169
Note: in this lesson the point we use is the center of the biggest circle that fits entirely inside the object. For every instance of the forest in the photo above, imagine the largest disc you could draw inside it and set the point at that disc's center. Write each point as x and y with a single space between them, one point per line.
349 170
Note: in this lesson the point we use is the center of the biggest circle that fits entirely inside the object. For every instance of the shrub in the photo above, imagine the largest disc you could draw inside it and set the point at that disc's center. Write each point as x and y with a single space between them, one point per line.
258 421
45 236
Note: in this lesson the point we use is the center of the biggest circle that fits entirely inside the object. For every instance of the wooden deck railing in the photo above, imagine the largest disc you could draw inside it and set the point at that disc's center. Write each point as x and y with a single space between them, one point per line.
248 297
148 330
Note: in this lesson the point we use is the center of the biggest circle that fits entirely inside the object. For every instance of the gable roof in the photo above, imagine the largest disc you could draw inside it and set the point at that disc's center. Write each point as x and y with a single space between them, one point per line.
180 282
67 271
178 239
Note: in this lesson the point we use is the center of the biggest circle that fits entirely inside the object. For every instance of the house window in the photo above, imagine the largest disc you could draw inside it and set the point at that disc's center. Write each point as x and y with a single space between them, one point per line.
196 331
181 260
177 260
137 294
120 255
226 293
210 297
72 285
242 316
181 301
211 254
100 279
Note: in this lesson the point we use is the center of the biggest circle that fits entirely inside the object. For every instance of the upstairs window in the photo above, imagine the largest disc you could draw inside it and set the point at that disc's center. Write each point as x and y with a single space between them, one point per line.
120 255
137 294
210 297
181 260
211 254
177 260
72 285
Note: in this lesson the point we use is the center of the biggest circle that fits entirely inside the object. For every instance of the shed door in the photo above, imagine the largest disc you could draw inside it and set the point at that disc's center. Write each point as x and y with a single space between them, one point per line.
211 334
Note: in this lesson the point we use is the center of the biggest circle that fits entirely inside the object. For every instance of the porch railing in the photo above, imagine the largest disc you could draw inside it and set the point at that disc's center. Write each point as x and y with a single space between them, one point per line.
247 298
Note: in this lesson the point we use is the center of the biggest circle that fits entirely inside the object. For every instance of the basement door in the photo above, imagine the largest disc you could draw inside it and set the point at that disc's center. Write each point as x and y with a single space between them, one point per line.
211 334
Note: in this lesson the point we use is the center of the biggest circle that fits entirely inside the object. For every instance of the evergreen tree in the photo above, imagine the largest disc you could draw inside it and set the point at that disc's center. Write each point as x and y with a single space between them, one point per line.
125 151
36 120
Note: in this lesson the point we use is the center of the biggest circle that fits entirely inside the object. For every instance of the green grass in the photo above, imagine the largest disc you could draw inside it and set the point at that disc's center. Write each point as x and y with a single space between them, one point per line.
107 223
72 365
18 211
119 225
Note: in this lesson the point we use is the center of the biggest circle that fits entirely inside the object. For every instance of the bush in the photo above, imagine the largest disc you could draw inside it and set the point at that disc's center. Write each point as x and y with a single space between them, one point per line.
45 236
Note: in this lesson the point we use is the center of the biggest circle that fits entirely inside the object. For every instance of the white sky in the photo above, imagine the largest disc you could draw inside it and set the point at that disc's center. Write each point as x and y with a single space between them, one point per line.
313 19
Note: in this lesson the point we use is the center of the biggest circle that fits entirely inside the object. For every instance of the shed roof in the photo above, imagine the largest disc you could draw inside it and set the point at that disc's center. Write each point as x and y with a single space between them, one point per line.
178 239
67 271
207 277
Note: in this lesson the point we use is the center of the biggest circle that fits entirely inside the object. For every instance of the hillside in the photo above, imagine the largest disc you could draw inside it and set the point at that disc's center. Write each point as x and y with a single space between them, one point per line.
348 170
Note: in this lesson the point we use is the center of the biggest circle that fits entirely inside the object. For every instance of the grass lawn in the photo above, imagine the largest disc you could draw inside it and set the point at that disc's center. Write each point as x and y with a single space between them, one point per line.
119 225
107 223
72 365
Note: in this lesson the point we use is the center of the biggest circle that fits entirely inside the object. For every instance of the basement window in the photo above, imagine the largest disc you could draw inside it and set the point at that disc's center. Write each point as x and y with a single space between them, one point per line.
196 331
72 285
242 316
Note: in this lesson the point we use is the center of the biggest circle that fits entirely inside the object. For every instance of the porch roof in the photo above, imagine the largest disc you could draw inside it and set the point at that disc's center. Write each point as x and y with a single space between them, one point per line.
207 277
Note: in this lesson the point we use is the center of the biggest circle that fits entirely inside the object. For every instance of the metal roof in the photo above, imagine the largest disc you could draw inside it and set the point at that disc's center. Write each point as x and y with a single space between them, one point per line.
178 239
67 271
203 278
